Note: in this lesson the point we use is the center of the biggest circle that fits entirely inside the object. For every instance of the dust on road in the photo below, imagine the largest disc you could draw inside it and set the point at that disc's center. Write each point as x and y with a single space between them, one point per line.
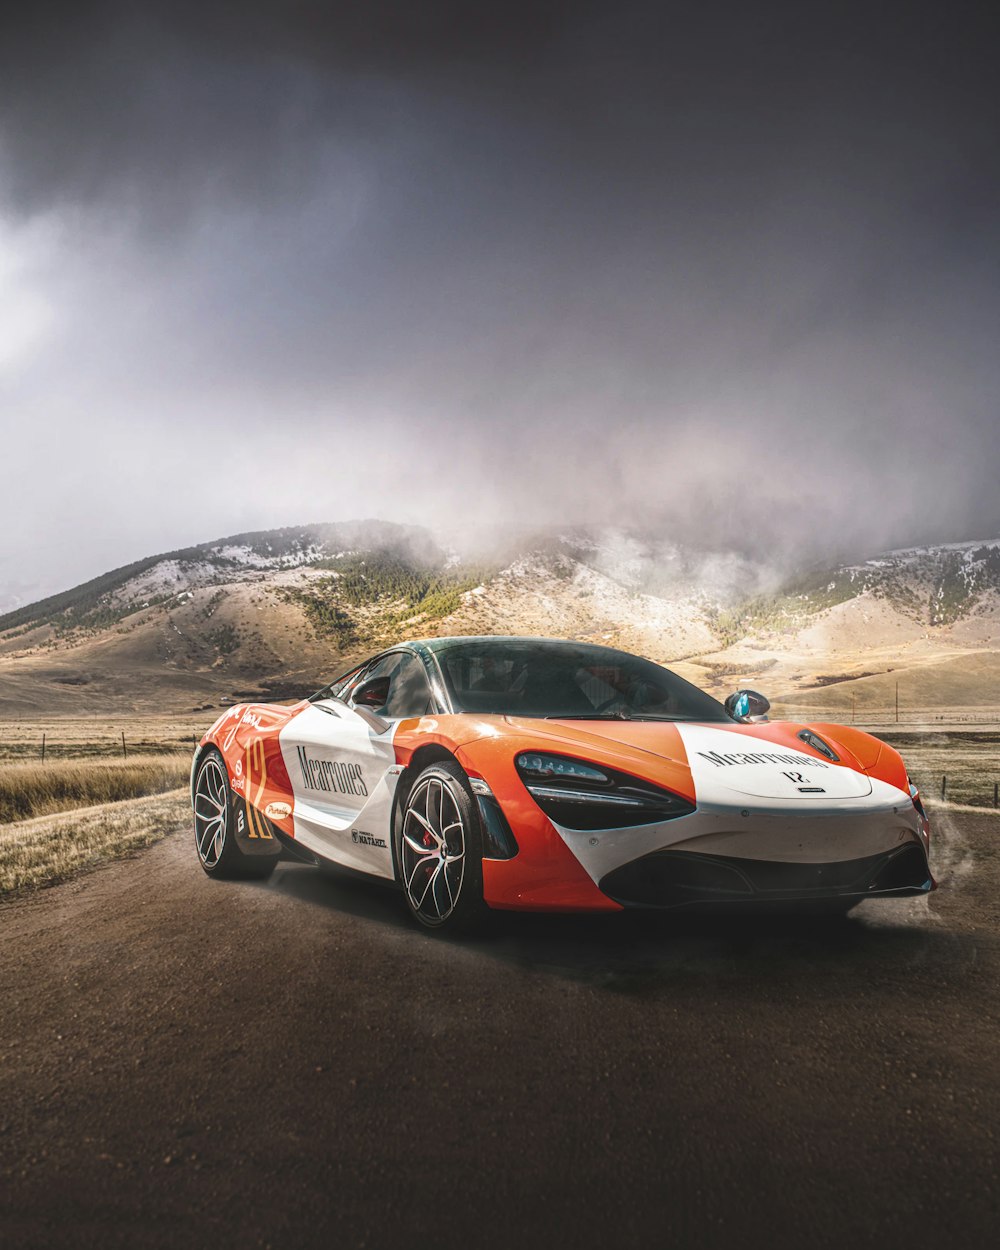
190 1062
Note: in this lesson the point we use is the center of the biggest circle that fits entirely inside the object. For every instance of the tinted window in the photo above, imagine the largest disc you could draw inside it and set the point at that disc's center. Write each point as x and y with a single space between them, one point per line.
410 692
520 678
337 687
409 689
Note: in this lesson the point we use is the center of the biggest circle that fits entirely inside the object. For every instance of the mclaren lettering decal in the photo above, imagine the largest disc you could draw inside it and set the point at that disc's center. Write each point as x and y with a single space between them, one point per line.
758 757
331 776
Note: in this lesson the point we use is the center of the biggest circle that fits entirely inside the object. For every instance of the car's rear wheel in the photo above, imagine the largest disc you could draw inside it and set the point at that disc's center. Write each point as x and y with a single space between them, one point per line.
215 826
439 850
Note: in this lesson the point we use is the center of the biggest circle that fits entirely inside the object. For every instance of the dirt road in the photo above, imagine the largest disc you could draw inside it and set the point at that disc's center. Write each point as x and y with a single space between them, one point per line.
190 1063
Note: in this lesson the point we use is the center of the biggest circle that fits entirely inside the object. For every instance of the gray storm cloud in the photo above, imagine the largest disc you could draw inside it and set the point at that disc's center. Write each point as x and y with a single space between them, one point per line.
731 273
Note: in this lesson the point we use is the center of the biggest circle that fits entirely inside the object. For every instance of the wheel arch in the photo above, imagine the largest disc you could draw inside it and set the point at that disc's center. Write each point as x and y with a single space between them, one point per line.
202 750
430 753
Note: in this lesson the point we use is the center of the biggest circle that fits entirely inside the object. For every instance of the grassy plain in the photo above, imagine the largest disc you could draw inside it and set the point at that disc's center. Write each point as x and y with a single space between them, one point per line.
49 849
30 788
86 802
968 759
90 737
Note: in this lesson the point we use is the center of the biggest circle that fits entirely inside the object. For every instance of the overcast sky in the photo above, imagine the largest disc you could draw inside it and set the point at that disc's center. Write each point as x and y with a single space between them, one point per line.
726 270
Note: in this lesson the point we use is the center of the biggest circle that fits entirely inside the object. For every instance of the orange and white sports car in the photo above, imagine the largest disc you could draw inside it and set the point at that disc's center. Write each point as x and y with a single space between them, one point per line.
535 774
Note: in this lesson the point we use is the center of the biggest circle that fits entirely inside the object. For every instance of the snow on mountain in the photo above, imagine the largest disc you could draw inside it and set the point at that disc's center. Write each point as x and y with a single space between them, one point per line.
281 607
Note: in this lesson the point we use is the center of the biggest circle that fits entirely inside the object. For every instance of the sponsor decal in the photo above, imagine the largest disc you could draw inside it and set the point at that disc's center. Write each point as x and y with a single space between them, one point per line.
331 776
366 839
278 811
758 757
247 718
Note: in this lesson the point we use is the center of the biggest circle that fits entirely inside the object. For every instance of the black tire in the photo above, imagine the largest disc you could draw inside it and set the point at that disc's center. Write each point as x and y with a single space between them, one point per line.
443 891
217 816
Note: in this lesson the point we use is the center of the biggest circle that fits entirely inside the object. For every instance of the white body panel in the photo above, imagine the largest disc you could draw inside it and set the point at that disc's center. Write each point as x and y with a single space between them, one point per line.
727 767
343 774
752 809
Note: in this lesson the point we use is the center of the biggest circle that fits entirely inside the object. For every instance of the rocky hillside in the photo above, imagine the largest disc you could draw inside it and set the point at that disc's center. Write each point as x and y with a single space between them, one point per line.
276 613
934 587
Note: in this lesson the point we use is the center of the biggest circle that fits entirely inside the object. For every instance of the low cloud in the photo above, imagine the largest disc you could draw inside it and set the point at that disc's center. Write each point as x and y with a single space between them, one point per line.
726 279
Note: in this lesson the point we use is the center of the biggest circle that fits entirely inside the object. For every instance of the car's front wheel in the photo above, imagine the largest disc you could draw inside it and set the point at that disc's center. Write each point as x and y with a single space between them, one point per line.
216 823
439 850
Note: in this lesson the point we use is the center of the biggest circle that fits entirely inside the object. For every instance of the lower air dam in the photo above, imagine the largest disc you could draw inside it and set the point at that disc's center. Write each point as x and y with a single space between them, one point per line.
682 878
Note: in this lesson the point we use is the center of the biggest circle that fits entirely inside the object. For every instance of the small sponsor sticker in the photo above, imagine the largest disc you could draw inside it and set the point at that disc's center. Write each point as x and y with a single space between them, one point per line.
366 839
278 811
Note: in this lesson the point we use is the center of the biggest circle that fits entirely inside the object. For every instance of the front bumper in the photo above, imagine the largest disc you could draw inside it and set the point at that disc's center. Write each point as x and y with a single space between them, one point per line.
671 879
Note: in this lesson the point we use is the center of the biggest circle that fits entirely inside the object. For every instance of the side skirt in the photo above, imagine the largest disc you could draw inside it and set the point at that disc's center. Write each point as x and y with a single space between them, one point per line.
294 852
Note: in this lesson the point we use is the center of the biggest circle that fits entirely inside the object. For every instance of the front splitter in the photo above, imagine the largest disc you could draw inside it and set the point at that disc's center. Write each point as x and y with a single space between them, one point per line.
670 878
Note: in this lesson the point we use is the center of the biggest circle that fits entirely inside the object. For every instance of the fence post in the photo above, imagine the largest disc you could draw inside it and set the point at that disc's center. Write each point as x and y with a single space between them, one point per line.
944 786
43 748
124 748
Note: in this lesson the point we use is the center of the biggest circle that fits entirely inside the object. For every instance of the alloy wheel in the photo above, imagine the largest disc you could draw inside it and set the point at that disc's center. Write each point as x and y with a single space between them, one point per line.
432 850
211 809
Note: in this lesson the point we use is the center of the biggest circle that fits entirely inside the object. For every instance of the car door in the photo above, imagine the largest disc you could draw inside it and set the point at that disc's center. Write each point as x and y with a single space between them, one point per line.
342 765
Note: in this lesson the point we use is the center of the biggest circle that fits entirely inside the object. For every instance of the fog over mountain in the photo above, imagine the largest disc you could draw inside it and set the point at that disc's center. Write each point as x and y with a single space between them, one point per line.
275 613
726 273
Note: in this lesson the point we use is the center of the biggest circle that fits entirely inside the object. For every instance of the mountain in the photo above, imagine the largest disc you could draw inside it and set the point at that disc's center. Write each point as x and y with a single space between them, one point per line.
277 613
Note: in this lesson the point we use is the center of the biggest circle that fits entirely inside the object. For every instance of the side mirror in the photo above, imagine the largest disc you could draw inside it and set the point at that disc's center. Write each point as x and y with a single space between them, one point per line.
747 706
372 693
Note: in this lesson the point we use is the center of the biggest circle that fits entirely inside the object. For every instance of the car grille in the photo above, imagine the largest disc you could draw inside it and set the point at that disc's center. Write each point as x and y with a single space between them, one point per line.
676 878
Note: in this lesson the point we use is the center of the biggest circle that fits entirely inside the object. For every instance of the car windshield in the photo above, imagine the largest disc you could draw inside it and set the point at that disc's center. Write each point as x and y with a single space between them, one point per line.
567 680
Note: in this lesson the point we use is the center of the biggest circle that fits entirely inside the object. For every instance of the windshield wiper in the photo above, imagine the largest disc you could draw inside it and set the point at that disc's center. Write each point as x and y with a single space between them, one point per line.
623 714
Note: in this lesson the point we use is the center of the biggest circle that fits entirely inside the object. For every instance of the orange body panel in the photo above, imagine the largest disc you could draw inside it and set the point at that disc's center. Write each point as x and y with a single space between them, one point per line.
247 736
544 874
877 758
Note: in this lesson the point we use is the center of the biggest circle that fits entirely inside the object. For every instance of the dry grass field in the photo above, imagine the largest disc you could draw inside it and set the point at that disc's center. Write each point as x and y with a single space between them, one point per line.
969 759
72 812
88 737
29 789
49 849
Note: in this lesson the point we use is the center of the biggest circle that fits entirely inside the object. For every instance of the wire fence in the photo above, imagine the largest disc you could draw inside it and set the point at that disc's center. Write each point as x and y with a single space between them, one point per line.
53 745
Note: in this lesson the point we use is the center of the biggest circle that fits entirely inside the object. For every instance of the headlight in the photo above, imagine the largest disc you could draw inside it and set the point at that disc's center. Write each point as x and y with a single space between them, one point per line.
542 767
579 795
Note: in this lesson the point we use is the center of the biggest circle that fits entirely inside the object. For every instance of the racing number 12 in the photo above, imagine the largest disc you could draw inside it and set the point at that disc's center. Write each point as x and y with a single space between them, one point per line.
255 759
